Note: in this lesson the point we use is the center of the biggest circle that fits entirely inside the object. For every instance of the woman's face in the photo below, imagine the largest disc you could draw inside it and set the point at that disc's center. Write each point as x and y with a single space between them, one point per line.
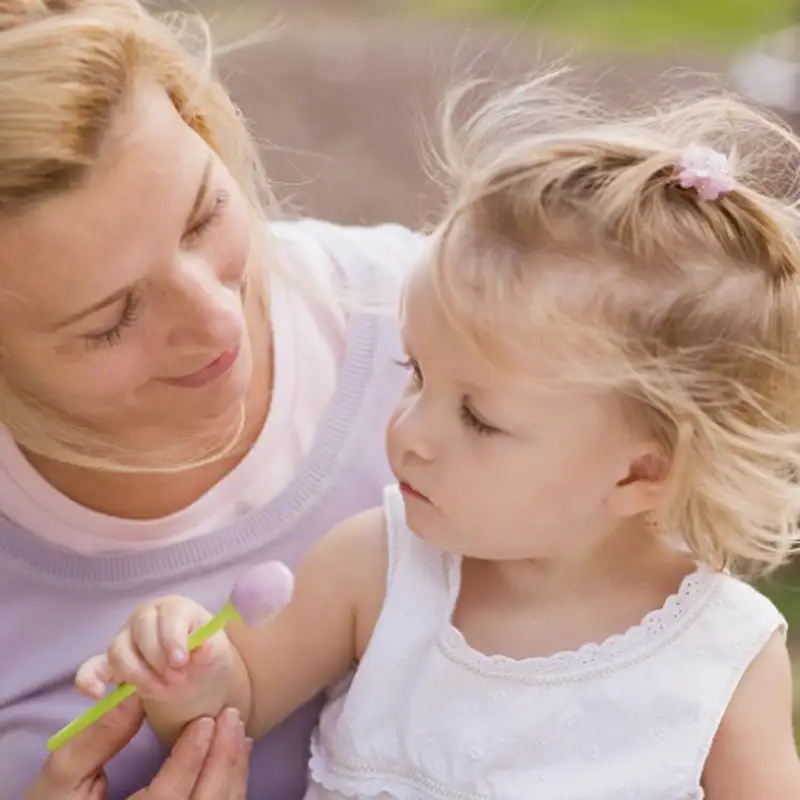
123 303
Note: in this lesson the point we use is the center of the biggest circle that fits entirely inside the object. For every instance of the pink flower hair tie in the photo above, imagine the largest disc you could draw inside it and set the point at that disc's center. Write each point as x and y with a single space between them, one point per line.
706 171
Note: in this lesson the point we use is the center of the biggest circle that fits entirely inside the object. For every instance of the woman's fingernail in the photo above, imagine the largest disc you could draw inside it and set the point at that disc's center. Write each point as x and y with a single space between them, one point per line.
179 656
248 746
202 733
205 730
231 718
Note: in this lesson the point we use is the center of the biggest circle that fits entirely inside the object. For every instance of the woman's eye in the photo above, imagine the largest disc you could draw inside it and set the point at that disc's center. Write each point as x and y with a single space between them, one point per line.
210 219
113 335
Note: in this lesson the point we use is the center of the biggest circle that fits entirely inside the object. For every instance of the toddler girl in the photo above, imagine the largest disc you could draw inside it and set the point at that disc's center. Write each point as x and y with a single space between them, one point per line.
598 438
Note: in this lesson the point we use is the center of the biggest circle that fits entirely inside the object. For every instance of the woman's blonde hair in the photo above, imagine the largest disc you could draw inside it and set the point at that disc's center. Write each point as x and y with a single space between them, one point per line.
566 222
67 67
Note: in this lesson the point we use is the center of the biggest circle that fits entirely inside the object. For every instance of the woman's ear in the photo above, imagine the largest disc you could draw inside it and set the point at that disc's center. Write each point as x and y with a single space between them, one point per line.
642 487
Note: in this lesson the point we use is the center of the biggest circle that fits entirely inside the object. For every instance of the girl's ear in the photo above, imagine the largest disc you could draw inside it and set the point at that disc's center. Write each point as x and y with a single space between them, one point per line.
642 488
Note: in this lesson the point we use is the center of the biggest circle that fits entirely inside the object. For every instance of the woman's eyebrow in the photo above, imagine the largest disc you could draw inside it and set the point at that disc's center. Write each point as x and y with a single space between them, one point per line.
115 297
100 304
202 191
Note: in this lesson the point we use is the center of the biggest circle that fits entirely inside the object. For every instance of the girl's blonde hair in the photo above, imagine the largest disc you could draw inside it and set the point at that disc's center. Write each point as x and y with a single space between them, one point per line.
566 222
67 67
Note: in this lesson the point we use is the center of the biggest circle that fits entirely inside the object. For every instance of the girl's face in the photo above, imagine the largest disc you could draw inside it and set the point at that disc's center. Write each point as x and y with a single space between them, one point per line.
500 467
123 302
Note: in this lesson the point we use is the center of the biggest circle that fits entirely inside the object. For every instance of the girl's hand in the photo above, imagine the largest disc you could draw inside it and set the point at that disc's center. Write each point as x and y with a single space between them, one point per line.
151 653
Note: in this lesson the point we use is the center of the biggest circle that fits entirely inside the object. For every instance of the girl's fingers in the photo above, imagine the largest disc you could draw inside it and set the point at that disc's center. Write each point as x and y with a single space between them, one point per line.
174 625
129 665
94 676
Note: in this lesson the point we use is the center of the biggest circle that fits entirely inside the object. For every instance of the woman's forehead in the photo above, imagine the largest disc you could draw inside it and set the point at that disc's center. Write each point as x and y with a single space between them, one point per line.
78 247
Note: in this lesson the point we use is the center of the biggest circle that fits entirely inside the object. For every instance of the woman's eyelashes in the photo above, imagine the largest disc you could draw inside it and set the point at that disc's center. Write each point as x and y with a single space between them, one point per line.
112 336
212 216
469 417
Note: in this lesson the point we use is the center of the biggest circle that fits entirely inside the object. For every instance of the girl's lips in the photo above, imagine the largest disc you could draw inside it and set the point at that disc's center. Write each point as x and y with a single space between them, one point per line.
408 490
208 374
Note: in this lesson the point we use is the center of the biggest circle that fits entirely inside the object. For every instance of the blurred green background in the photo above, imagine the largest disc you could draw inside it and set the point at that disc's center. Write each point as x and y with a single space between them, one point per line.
346 90
632 24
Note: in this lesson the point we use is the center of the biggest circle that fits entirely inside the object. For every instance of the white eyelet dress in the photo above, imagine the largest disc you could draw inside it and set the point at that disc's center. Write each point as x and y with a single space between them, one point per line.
426 716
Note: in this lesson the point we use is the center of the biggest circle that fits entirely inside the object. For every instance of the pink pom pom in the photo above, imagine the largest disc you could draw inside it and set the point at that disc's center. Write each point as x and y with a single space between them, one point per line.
262 591
706 171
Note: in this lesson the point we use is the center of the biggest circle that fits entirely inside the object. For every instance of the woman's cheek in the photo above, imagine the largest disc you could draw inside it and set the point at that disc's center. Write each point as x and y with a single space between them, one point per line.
113 372
233 242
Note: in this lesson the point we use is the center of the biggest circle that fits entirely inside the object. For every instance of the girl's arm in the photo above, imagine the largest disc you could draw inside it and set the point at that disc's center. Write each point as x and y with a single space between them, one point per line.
319 636
267 672
754 756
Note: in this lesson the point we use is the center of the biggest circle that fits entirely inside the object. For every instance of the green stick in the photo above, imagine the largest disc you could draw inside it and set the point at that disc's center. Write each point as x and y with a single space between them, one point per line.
125 690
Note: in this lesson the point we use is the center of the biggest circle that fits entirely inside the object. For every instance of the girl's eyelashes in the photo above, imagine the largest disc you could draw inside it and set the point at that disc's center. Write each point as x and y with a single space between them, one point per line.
473 421
469 417
113 335
413 367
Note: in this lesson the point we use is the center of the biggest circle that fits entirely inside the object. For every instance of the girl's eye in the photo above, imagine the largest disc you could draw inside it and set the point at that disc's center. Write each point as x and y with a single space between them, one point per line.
209 220
471 420
412 366
112 336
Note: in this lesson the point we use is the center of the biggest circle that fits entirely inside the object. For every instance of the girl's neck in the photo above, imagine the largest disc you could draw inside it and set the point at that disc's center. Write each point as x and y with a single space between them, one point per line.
632 551
536 608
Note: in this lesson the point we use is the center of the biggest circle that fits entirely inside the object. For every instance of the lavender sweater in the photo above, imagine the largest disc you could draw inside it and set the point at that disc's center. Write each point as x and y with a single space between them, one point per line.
57 608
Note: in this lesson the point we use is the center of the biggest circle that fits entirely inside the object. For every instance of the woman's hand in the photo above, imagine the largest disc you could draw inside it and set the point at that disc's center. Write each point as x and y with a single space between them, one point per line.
210 761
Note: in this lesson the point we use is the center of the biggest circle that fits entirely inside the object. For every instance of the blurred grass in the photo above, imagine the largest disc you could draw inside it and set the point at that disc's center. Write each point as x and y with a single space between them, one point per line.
634 25
784 590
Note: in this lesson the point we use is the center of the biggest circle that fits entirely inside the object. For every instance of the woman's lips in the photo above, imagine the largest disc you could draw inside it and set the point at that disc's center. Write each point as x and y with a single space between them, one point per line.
209 373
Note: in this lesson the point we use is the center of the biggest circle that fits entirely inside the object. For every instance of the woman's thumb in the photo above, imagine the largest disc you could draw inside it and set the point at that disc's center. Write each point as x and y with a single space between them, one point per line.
90 750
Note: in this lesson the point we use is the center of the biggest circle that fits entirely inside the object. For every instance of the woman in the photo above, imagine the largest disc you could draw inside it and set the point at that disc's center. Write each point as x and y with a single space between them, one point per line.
184 390
209 763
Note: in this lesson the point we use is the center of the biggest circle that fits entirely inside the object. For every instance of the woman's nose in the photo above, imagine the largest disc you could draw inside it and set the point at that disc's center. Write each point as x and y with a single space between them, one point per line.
206 312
